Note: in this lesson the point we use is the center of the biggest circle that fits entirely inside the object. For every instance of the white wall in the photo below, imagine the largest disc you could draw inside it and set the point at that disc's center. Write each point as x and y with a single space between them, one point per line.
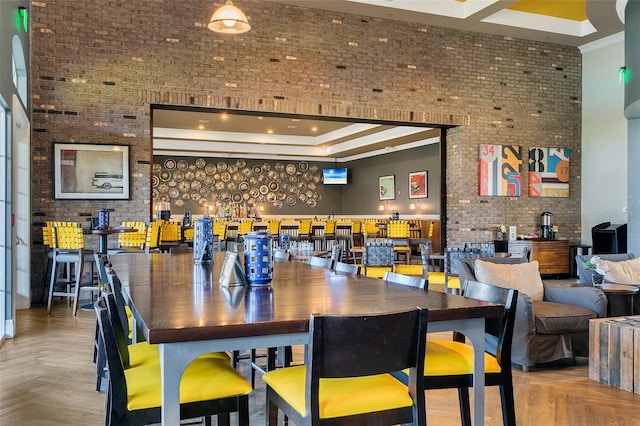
604 135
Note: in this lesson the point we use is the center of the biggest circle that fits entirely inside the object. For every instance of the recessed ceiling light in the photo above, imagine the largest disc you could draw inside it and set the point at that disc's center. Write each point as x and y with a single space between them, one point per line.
260 118
224 116
201 126
270 131
314 129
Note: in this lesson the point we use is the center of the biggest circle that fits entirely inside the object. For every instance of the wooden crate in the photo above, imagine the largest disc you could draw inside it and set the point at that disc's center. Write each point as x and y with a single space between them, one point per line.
614 352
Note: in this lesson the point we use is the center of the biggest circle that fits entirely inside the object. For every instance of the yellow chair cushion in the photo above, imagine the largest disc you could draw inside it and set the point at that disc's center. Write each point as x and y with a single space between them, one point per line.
340 397
145 354
129 321
450 358
415 270
453 282
437 278
376 271
203 380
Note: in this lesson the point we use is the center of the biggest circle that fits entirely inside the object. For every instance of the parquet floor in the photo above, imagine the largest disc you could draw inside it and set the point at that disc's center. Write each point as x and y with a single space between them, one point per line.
47 378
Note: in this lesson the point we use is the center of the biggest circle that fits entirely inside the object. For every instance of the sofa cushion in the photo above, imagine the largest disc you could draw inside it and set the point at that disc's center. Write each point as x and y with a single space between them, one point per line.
558 318
524 277
622 272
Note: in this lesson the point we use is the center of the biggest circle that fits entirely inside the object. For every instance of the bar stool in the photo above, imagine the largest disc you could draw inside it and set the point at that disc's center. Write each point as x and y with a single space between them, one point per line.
68 249
317 234
344 235
219 233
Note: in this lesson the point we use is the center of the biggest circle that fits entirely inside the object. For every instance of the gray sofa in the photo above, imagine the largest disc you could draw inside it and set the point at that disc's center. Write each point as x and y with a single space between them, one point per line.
619 304
548 330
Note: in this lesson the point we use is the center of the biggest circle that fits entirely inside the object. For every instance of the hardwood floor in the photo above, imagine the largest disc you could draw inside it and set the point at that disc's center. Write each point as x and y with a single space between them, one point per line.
47 378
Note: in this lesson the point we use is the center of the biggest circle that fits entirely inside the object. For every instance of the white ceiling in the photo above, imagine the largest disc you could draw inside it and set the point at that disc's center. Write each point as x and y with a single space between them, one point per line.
203 132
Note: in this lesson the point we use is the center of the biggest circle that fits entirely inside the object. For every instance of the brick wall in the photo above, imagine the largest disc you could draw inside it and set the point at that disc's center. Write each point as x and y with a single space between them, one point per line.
97 69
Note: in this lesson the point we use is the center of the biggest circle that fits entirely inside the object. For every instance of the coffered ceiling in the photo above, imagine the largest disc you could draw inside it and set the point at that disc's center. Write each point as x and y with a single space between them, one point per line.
214 133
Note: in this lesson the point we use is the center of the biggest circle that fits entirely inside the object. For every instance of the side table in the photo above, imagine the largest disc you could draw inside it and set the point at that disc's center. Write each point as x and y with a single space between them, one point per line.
611 289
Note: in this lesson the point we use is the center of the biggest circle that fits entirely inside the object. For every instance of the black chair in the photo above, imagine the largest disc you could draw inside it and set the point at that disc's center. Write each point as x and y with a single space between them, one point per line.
346 267
392 277
449 364
281 255
357 353
323 262
134 398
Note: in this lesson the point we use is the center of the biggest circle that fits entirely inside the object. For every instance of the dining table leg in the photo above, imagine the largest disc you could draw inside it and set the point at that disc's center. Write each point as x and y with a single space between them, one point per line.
172 366
473 329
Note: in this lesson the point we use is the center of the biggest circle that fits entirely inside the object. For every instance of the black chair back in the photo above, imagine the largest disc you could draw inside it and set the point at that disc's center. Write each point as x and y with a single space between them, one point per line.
501 328
408 280
352 346
323 262
346 267
117 392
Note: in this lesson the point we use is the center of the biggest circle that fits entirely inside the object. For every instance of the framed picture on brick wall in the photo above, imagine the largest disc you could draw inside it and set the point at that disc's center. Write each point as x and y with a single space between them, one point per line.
90 171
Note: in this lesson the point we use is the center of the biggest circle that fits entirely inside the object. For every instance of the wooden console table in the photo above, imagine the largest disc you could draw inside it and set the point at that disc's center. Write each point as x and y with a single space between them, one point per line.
553 256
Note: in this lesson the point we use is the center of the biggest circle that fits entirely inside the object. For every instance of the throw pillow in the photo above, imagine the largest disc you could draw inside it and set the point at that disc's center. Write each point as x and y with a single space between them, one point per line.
524 277
623 272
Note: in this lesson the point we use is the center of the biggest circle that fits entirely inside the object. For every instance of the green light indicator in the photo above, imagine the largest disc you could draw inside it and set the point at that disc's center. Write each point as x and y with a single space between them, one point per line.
22 19
624 75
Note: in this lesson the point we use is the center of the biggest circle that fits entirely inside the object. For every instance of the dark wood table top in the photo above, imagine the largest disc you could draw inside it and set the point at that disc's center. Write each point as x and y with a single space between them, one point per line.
109 231
177 300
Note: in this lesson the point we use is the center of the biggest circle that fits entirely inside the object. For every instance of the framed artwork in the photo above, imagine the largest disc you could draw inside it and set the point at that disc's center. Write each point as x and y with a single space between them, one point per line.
90 171
500 170
387 187
418 187
548 172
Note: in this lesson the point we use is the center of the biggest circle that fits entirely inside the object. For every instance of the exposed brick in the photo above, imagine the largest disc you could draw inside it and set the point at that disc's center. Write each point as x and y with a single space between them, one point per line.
506 91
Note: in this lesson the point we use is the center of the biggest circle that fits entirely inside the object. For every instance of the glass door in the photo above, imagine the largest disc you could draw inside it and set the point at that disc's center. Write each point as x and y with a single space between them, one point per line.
5 208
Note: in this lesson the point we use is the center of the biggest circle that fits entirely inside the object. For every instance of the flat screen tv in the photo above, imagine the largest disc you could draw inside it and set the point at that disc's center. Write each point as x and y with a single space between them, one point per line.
336 176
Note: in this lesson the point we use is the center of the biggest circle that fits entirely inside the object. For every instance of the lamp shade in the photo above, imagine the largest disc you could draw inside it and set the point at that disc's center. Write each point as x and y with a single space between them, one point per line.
229 20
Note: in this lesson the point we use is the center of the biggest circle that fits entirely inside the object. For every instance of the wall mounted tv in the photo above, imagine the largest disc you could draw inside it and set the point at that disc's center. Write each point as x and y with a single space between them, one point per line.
336 176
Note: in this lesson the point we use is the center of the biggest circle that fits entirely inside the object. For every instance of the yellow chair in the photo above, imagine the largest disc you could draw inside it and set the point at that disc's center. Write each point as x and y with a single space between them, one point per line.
68 249
47 241
219 233
137 353
336 386
449 364
274 228
369 229
170 233
209 386
153 235
133 240
304 231
399 231
378 257
244 226
413 270
344 235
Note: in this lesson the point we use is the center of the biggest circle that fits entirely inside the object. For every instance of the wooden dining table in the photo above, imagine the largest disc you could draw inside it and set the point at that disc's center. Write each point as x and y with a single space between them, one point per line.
181 307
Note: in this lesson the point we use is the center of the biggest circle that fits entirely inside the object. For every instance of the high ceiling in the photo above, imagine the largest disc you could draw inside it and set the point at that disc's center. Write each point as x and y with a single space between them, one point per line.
567 22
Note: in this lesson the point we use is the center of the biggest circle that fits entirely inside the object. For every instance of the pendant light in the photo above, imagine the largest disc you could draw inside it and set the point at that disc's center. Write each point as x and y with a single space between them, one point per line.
229 20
